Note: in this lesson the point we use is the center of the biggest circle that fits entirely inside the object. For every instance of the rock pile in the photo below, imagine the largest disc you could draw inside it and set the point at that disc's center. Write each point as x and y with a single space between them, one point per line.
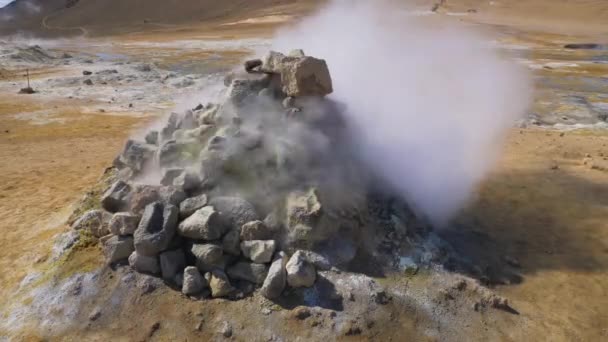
258 190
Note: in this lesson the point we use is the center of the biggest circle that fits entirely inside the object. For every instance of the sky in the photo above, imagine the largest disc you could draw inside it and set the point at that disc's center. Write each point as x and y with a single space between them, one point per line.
4 2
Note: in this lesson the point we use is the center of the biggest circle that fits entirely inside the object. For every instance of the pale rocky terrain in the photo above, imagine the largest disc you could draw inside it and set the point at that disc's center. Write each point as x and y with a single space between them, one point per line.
536 233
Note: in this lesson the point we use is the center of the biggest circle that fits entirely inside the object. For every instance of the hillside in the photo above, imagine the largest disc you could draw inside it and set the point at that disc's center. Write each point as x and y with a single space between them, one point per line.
73 17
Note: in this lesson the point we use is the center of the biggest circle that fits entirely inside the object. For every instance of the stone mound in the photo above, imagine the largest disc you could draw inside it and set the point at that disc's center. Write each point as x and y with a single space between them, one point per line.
259 191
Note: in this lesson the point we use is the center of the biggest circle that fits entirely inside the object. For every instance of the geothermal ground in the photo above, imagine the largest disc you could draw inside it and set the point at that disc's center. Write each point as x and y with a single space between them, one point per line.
537 228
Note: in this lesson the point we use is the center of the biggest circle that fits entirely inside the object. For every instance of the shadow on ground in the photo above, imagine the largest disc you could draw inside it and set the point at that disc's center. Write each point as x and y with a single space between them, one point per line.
523 223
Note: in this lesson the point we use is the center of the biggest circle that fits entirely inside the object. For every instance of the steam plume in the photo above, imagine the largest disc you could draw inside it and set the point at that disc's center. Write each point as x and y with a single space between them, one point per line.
429 104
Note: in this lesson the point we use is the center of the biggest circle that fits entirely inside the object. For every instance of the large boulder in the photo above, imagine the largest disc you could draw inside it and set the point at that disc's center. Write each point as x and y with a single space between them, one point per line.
156 229
220 284
171 263
258 251
191 205
300 75
208 256
193 281
116 198
276 280
300 273
118 248
234 211
144 264
123 223
251 272
204 224
94 221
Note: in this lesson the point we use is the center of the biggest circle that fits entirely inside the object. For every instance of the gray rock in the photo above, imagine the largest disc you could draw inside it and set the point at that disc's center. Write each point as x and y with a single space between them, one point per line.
172 195
300 273
208 256
118 248
276 280
193 281
204 224
211 168
94 221
319 261
231 242
220 284
170 153
241 89
170 127
254 273
136 154
170 174
300 75
191 205
258 251
296 53
171 263
116 198
187 181
186 121
152 138
144 264
156 229
123 223
234 211
307 76
256 230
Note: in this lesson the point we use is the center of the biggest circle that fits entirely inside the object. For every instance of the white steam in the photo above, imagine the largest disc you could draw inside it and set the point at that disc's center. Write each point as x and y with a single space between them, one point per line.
430 104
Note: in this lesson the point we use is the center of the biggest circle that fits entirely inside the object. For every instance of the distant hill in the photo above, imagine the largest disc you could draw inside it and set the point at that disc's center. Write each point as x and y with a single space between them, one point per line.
98 17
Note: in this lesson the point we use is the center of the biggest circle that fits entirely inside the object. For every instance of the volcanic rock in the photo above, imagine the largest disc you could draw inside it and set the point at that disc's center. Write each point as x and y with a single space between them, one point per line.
258 251
187 181
156 229
235 211
152 138
94 221
191 205
276 280
144 264
208 256
118 248
170 174
251 272
193 282
136 154
116 197
123 223
220 284
171 263
231 242
300 273
204 224
300 75
256 230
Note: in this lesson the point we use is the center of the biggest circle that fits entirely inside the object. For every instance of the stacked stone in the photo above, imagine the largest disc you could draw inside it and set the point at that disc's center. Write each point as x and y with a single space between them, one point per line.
185 229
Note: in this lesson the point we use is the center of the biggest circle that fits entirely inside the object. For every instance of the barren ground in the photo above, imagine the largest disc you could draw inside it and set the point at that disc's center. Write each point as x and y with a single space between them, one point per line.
542 205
